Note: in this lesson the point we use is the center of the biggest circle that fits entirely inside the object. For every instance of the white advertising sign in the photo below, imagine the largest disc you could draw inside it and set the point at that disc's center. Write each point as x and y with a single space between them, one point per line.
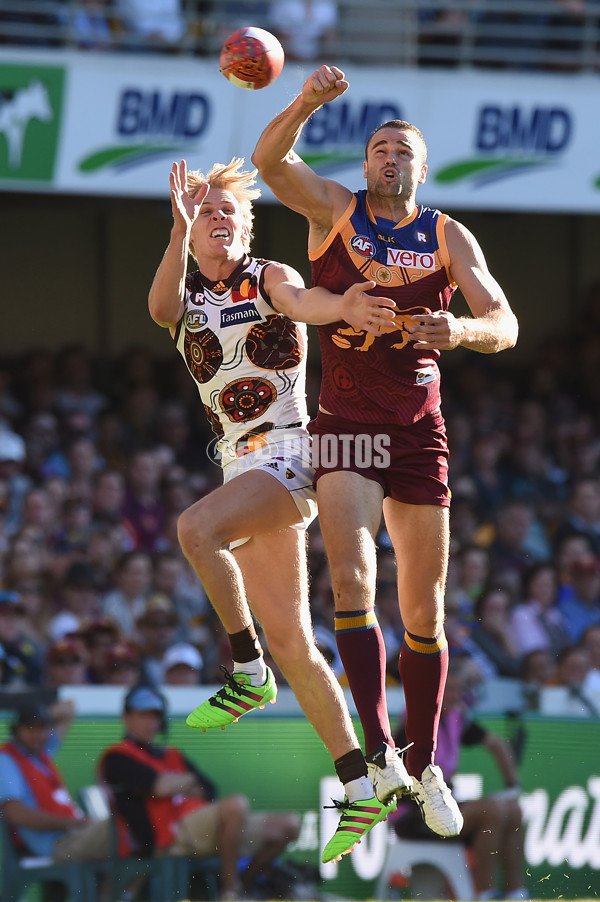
93 123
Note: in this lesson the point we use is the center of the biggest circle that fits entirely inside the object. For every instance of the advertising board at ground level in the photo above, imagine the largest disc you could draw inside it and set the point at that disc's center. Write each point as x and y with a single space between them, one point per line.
280 764
112 124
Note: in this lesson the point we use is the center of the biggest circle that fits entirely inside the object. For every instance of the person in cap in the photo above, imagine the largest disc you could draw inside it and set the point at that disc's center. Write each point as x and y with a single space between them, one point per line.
34 799
123 665
156 631
79 600
170 807
66 663
182 665
24 663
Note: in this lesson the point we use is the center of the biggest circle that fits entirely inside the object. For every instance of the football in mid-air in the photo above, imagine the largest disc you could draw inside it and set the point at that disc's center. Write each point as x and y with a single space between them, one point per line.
251 58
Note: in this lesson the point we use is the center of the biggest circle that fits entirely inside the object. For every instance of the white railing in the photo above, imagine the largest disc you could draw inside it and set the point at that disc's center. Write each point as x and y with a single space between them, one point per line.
557 35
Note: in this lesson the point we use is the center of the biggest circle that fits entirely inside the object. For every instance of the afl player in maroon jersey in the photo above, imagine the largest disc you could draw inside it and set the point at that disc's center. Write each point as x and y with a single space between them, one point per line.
379 441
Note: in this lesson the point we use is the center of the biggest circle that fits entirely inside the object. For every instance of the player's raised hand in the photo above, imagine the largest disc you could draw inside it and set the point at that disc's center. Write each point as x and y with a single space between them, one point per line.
325 84
185 208
366 312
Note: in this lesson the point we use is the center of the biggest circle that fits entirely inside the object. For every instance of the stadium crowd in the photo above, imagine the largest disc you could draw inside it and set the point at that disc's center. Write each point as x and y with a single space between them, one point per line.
99 457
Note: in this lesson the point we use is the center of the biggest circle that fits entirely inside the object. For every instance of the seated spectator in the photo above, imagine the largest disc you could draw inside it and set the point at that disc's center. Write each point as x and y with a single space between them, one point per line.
513 549
89 25
579 600
537 622
78 600
99 637
493 636
538 670
583 515
14 484
34 798
182 665
133 580
590 641
156 631
170 808
157 26
468 576
306 28
123 665
173 575
66 663
493 824
144 509
23 658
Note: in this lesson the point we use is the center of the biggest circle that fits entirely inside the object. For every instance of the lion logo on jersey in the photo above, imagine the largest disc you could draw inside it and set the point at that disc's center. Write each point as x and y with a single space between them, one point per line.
276 344
401 324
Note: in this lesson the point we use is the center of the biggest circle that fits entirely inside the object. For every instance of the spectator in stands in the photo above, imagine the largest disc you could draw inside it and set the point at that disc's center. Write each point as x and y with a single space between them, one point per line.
133 580
173 575
36 24
23 657
306 28
156 631
159 26
579 600
14 484
78 599
171 808
182 665
493 824
469 574
66 663
583 517
537 622
510 551
123 665
538 670
99 637
590 641
89 25
144 509
76 392
493 636
34 797
572 671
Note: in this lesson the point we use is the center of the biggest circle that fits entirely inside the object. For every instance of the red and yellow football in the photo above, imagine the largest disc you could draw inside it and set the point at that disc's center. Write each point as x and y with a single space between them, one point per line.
251 58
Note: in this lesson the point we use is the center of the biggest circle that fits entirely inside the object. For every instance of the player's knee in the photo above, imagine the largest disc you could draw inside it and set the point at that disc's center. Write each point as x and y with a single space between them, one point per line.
353 586
192 530
234 808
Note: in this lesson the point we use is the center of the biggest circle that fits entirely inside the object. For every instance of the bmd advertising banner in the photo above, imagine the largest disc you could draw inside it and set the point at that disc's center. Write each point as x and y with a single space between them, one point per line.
112 124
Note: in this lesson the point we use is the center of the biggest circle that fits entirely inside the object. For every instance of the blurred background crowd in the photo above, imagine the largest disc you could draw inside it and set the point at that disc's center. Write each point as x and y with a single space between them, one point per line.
98 457
543 34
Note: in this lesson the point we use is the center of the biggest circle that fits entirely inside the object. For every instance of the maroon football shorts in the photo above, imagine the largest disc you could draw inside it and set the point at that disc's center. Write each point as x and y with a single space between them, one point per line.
409 462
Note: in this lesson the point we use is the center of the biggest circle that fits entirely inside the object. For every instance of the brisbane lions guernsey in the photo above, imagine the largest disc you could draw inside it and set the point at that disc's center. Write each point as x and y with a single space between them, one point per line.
248 361
383 379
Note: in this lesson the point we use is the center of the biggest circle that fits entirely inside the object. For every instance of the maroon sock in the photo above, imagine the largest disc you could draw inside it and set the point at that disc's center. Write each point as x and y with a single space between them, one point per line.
245 645
423 669
362 650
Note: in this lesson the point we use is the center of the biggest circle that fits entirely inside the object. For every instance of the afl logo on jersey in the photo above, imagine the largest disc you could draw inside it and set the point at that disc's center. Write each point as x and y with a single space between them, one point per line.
362 245
195 320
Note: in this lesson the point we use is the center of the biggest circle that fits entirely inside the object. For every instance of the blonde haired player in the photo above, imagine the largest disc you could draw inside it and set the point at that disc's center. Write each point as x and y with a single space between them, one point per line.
235 322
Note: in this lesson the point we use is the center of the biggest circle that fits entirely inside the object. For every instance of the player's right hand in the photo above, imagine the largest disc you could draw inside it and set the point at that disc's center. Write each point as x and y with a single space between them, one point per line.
325 84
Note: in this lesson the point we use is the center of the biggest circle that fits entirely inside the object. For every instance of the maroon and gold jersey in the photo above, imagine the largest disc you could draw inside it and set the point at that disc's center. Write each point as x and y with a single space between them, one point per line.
383 379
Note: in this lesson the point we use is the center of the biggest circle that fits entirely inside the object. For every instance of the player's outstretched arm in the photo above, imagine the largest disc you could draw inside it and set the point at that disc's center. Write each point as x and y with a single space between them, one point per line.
292 181
165 299
362 311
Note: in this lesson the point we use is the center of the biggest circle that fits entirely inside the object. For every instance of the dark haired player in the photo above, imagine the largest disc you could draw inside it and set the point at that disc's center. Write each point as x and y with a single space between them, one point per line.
386 389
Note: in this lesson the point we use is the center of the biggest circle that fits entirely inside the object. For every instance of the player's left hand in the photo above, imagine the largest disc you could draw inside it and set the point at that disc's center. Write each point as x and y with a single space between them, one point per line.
439 331
367 312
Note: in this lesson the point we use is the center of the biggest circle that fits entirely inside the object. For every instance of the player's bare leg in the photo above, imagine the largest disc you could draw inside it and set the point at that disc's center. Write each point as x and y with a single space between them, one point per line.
350 515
